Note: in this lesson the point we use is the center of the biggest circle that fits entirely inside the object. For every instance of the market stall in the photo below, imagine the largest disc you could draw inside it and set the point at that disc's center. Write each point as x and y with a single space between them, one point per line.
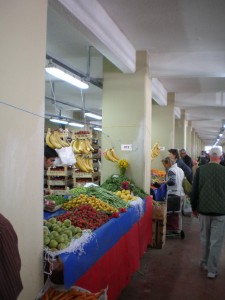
113 253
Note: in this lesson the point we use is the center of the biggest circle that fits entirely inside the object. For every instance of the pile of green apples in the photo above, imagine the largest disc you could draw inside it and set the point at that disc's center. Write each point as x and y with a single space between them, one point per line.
58 235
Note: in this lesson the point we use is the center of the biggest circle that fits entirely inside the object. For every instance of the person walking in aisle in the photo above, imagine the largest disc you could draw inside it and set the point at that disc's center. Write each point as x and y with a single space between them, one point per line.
208 203
186 158
10 262
174 154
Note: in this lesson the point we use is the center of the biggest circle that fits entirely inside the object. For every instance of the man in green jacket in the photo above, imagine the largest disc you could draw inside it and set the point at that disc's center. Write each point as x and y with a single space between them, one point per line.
208 203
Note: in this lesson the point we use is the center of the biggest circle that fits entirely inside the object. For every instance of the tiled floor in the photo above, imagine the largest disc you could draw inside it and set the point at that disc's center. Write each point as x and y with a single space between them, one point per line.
173 273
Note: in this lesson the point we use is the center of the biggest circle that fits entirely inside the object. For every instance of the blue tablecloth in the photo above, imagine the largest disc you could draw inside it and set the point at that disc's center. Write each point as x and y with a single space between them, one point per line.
159 194
76 264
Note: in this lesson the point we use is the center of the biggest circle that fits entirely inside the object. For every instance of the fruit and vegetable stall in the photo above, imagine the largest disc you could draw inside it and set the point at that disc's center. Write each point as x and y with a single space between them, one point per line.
99 233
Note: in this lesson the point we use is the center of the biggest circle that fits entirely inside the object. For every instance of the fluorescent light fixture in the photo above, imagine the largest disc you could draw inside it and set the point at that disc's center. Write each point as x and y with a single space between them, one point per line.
76 124
54 71
97 128
94 116
58 121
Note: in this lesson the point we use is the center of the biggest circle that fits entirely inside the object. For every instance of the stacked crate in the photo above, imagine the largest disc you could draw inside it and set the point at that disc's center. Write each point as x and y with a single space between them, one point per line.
59 179
159 213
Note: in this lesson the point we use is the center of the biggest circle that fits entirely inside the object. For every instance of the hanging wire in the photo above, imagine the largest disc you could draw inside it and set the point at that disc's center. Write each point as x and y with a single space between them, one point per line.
52 89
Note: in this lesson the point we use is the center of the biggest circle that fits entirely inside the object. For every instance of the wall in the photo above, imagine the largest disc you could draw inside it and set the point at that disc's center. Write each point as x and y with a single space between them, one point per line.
22 60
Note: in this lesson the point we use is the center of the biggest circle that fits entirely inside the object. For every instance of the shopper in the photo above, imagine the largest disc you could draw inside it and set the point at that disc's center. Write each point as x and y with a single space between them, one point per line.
10 262
186 158
208 203
174 177
49 157
203 158
174 155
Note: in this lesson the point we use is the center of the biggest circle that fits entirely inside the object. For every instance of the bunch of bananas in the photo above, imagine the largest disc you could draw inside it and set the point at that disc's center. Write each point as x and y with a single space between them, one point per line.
80 146
54 140
85 164
155 151
111 155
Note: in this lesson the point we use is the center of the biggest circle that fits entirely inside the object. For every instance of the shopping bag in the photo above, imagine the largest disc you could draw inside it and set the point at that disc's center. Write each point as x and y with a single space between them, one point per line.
186 186
187 209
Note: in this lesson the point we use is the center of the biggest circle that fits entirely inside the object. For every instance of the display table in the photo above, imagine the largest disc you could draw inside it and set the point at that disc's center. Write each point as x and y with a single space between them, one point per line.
113 254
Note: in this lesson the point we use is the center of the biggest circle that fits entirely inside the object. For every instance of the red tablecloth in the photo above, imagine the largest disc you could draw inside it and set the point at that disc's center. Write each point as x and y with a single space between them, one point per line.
115 268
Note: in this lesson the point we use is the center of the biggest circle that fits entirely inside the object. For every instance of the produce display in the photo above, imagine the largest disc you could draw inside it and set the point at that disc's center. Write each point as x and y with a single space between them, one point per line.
96 203
72 294
58 234
115 182
86 217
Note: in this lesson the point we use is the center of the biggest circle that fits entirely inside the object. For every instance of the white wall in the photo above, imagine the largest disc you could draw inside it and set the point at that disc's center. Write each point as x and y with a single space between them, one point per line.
22 60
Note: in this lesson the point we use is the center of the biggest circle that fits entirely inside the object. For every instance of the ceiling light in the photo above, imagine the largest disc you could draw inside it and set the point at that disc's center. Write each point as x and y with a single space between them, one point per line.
97 128
53 70
220 134
97 117
58 121
76 124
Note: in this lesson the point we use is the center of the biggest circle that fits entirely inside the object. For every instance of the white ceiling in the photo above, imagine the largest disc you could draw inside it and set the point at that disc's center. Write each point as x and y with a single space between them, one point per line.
185 41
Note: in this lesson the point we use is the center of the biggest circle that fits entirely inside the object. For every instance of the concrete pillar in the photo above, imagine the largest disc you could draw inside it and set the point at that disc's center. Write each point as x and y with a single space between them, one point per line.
188 137
22 63
192 153
180 132
163 128
126 112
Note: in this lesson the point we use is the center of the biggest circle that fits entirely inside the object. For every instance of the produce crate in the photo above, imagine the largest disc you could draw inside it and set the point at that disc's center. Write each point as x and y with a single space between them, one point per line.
84 175
158 234
60 171
60 192
66 182
159 211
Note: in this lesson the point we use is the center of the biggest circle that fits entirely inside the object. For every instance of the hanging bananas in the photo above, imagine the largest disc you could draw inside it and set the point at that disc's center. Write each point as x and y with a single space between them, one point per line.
84 164
111 155
54 141
81 146
155 151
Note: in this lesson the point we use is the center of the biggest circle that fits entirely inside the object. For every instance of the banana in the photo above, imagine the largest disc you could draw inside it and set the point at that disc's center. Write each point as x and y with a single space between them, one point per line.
59 140
83 164
83 147
89 163
89 145
47 139
113 152
155 151
75 146
54 142
80 165
110 156
105 154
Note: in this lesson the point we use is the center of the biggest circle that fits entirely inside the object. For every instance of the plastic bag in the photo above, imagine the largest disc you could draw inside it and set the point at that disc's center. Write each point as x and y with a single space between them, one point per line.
187 209
66 155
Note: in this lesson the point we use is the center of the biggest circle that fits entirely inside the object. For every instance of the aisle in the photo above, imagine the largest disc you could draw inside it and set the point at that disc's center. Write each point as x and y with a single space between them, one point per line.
173 272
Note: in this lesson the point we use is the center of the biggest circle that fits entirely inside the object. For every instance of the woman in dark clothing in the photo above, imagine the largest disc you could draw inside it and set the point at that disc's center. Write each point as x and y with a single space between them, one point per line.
10 263
174 154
